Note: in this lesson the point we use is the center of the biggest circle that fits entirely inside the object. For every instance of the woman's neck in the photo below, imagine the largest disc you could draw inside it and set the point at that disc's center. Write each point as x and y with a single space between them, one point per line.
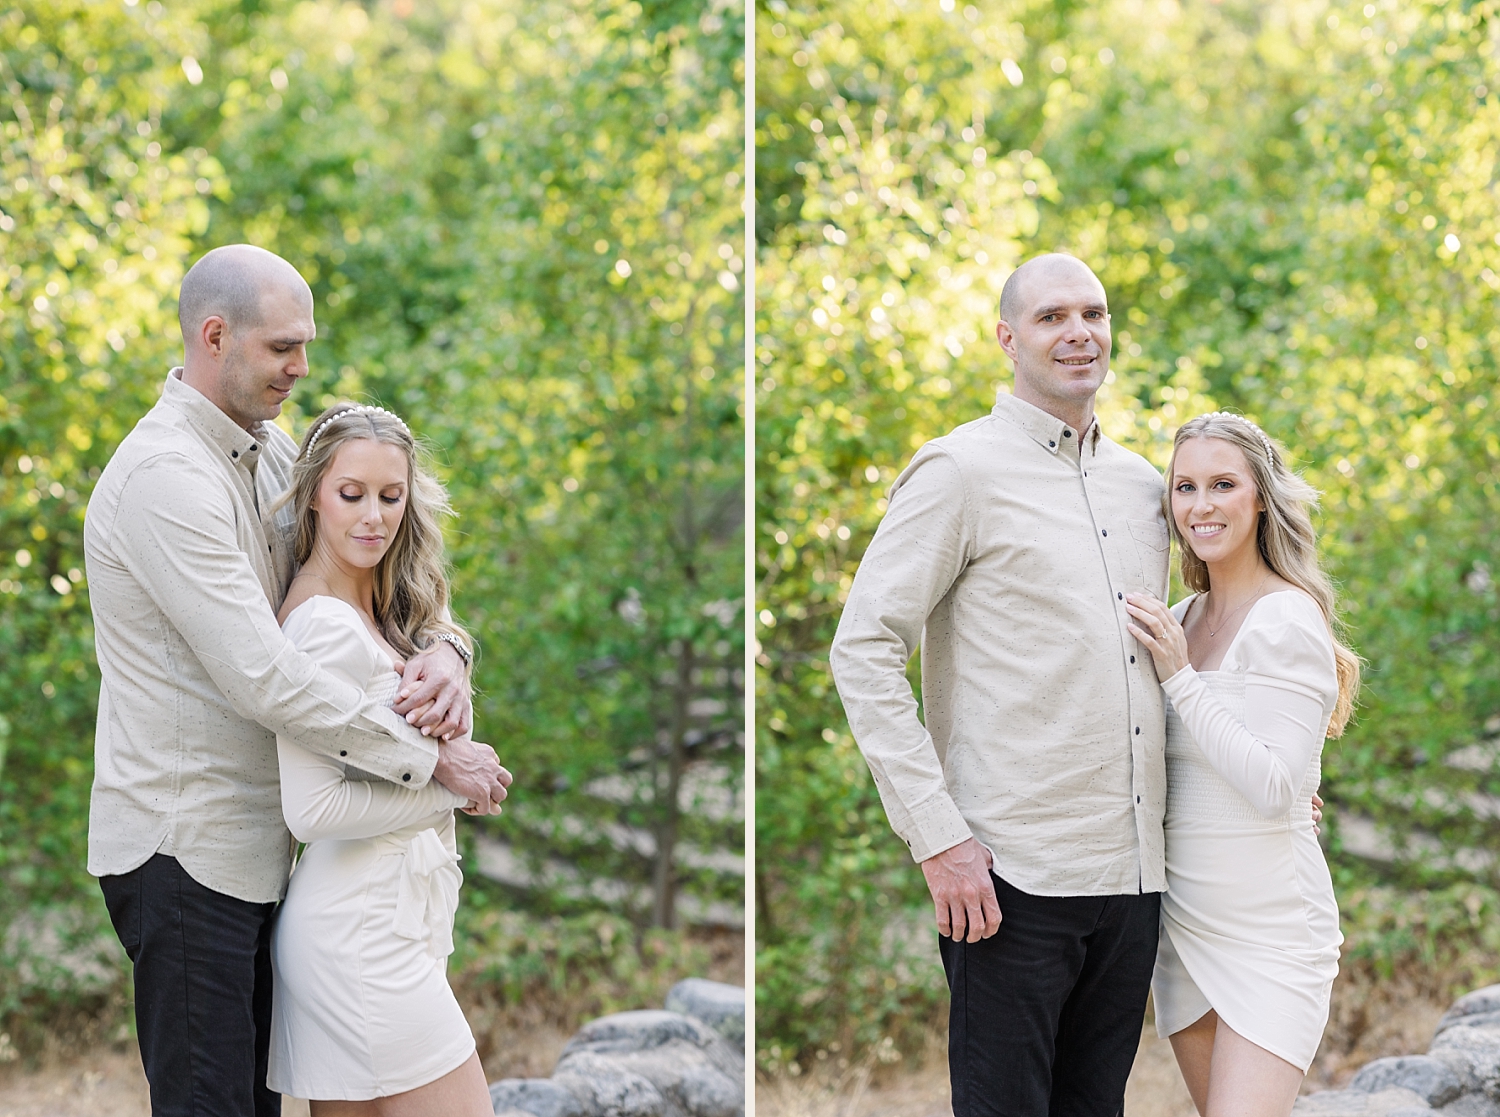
352 584
1235 579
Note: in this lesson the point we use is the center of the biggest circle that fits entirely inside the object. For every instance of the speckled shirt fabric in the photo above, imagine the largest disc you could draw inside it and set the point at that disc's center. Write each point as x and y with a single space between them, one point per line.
1005 553
186 566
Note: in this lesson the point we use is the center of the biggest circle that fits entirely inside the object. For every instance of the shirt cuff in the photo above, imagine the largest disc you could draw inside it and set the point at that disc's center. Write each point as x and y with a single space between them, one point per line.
935 826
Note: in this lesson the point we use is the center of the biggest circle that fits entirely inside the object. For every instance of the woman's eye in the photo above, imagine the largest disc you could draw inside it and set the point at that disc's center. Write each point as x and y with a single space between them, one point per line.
350 497
392 499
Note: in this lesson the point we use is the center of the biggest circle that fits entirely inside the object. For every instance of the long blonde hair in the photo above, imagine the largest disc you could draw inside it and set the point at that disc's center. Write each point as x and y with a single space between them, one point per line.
411 582
1285 536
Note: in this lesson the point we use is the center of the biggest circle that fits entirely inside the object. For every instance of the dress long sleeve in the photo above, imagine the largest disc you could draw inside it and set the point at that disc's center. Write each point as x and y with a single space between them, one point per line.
317 799
1286 654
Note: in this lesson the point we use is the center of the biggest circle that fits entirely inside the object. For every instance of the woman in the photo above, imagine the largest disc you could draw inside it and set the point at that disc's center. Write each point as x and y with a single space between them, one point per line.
1256 678
364 1022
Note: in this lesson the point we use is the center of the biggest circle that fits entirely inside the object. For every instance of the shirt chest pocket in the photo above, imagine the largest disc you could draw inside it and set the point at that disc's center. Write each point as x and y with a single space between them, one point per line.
1150 543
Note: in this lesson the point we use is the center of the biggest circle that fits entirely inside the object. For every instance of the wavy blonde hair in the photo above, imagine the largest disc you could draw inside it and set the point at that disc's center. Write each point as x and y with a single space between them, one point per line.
411 580
1285 537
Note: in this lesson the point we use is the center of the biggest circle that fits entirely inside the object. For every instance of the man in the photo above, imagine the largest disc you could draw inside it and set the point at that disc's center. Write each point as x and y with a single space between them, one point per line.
1034 797
188 559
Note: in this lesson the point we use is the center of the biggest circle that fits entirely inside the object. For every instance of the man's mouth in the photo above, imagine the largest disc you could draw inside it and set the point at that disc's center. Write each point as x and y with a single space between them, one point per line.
1077 362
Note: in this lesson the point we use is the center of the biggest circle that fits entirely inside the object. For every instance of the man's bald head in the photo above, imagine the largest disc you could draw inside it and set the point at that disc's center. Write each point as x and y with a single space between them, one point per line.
231 282
1020 288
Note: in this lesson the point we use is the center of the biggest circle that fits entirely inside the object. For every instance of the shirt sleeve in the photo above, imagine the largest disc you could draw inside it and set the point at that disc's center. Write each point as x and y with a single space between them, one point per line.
919 550
316 798
181 545
1290 681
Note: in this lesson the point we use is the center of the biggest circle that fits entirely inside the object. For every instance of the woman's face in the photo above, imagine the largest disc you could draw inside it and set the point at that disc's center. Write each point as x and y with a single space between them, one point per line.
1214 501
360 502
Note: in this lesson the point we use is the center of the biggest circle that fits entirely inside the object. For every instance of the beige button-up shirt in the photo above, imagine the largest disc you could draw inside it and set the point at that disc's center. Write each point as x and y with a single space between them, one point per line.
186 567
1006 552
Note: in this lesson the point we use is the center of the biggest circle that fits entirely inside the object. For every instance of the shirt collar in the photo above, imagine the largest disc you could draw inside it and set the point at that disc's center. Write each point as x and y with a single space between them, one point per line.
1048 431
238 444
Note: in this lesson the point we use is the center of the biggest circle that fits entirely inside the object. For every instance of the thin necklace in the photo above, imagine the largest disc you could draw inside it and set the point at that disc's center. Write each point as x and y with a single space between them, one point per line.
1212 632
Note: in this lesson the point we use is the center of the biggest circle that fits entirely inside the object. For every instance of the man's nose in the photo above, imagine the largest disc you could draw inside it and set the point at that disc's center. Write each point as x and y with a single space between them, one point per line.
297 366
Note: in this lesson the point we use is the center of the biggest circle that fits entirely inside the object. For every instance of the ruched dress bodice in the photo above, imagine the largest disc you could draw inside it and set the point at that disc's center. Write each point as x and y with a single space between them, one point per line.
1249 922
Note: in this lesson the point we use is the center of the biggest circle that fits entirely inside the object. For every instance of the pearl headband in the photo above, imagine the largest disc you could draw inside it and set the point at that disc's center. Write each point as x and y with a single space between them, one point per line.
1264 441
355 409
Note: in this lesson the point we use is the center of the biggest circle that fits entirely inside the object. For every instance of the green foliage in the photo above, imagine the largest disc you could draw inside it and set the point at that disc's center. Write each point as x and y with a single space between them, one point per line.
522 226
1289 205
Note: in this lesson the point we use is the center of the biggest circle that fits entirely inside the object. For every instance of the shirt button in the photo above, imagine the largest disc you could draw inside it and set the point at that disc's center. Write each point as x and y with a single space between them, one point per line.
1121 596
234 453
1105 532
343 752
407 775
1052 444
1137 798
1132 659
1137 733
1067 434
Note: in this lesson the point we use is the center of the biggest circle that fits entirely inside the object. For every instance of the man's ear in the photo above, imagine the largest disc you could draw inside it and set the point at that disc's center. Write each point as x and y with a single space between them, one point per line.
215 334
1007 338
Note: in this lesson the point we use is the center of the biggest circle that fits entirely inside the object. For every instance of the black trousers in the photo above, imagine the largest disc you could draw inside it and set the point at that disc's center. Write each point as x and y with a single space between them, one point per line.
1046 1014
202 990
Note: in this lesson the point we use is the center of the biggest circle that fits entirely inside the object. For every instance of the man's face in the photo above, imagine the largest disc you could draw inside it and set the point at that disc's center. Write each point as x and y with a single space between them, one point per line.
262 363
1060 341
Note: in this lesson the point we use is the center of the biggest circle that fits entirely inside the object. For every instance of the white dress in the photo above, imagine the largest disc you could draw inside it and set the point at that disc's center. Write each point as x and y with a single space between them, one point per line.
362 1005
1249 926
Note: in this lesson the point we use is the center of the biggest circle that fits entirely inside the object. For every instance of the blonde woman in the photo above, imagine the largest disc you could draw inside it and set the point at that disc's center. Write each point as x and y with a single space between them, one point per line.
364 1022
1256 677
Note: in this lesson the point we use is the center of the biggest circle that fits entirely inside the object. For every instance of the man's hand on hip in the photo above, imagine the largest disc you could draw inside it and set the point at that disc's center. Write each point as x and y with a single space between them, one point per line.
471 769
962 892
434 693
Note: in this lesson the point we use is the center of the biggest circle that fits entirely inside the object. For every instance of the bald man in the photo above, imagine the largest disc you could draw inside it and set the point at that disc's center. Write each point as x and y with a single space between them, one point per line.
1033 796
188 560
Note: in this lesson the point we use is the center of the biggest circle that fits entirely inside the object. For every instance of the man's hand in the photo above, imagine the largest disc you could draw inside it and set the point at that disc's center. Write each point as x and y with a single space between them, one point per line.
471 769
434 694
962 892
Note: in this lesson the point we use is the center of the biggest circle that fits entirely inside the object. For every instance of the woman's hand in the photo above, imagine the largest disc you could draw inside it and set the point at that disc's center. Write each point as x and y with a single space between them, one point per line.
1159 633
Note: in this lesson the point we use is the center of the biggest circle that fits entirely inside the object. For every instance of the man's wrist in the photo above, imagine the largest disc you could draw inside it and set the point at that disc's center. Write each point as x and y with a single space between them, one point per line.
457 645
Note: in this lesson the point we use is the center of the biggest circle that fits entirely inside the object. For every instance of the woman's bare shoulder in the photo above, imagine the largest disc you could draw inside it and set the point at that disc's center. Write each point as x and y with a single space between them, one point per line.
303 587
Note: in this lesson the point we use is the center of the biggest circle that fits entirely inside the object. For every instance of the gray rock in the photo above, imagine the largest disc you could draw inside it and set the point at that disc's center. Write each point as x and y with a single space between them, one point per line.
1473 1054
1475 1003
720 1006
1429 1078
534 1097
1471 1105
1394 1101
690 1069
1469 1020
609 1088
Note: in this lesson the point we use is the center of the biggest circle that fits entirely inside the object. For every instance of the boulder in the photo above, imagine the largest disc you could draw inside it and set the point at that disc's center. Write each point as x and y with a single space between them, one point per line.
720 1006
1472 1052
534 1097
1431 1079
691 1067
650 1063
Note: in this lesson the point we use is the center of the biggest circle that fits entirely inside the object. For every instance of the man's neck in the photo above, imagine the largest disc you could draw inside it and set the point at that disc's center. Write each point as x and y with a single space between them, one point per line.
1077 414
206 385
